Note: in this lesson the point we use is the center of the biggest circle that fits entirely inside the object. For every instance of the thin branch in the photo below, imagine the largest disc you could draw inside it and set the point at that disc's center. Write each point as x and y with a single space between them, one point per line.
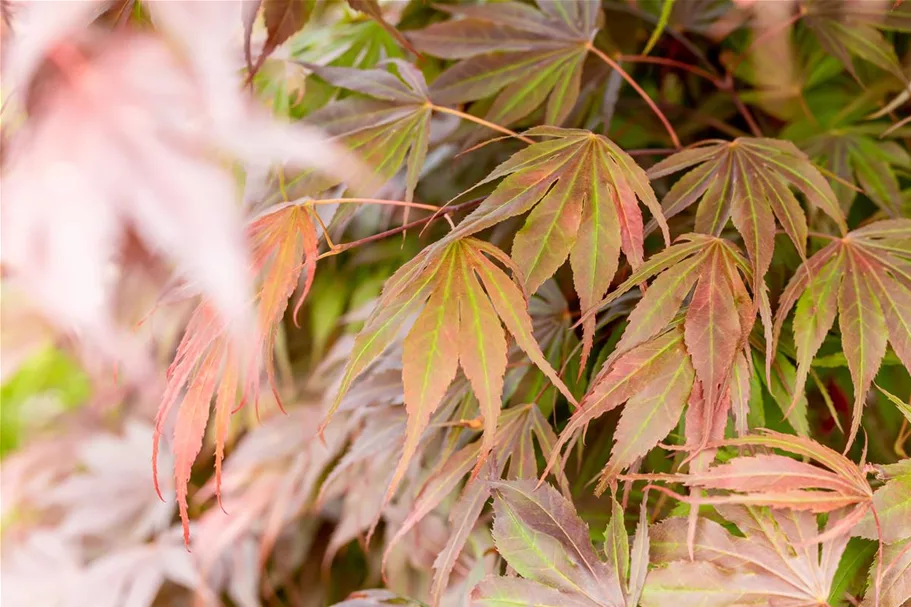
631 9
741 107
698 71
724 84
419 222
380 201
616 66
481 121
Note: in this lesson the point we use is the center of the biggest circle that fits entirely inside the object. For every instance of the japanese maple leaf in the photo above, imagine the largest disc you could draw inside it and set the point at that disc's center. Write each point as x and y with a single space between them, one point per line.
833 482
513 453
389 128
539 534
210 365
858 157
865 277
463 297
772 564
657 362
582 191
892 503
894 588
522 54
850 32
749 181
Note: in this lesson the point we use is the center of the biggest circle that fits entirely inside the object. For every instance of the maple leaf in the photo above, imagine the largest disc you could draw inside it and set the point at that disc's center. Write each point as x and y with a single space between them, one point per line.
211 366
517 429
892 504
654 367
851 32
525 54
749 181
783 482
390 130
857 157
866 278
539 534
894 589
582 190
771 565
459 324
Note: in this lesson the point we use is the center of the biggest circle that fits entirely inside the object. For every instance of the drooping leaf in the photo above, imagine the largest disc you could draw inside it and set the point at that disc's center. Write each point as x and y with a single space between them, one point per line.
870 269
902 406
655 367
749 180
450 278
283 243
582 191
526 55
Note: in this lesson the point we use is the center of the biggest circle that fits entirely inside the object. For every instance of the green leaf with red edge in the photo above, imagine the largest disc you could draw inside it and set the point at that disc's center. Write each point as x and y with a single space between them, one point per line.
582 191
482 350
712 330
869 270
630 374
542 538
748 180
430 358
388 124
522 55
450 278
539 534
649 416
403 294
656 368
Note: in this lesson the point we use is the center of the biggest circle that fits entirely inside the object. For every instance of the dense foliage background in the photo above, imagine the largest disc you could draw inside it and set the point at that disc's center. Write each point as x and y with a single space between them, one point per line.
563 302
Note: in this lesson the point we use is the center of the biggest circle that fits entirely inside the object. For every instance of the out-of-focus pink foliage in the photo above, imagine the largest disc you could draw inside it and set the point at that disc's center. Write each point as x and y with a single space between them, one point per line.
132 132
